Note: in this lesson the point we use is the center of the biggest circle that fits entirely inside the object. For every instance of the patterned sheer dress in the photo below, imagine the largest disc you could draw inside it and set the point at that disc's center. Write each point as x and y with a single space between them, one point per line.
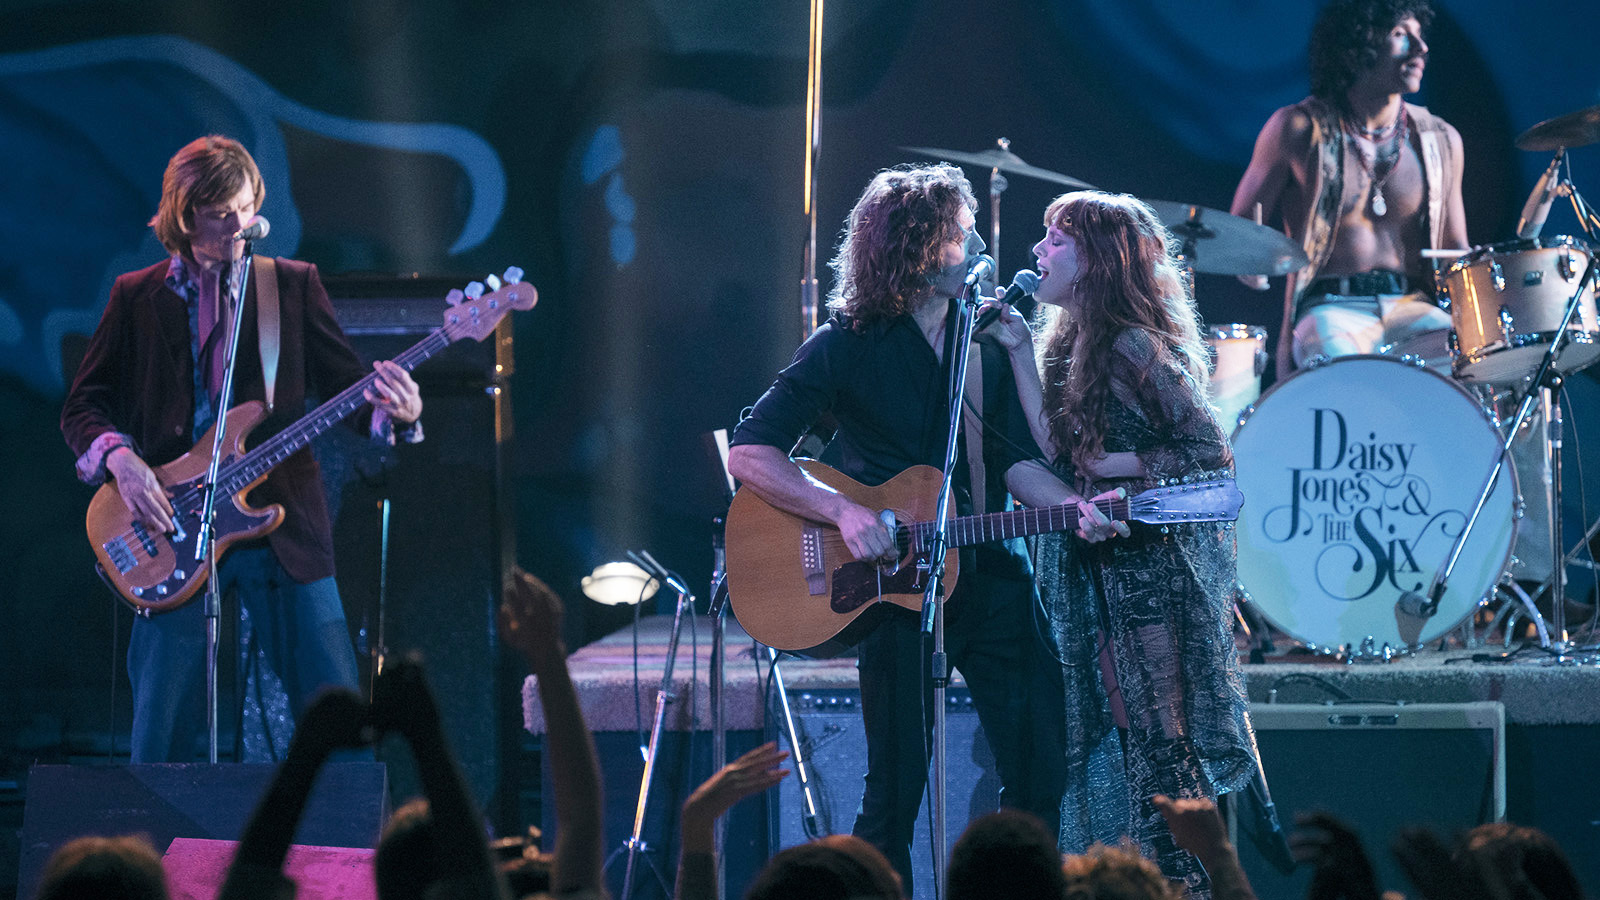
1156 610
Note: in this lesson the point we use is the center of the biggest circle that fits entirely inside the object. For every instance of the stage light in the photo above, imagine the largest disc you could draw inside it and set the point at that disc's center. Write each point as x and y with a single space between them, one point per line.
619 584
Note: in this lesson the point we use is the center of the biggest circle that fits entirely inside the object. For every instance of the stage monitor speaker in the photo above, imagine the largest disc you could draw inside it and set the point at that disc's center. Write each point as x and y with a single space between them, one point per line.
347 808
450 530
835 745
1380 768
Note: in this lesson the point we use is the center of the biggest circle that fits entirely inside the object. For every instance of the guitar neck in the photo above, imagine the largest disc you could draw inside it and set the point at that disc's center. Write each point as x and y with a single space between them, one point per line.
291 440
1002 526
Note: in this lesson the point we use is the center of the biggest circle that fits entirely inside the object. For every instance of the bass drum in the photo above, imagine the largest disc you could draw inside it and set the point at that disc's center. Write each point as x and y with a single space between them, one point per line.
1358 475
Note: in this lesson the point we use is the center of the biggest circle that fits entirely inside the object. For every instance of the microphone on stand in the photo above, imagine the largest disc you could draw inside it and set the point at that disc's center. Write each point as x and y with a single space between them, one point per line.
1023 284
255 231
1537 208
982 268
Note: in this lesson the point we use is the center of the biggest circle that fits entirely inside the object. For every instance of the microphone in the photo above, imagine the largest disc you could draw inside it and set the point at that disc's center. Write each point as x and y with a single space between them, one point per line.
982 267
1538 205
1025 282
255 231
661 573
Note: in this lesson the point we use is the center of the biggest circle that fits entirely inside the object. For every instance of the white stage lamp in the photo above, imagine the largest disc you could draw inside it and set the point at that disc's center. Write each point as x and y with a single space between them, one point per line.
619 584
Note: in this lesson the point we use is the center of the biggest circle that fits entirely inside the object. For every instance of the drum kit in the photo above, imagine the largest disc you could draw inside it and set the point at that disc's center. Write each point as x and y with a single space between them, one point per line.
1383 503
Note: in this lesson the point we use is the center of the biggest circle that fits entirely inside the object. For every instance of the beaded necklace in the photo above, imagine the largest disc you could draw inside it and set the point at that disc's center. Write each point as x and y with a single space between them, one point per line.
1379 162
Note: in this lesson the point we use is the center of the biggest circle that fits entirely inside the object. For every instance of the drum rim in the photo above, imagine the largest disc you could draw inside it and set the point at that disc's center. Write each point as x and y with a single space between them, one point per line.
1516 245
1328 363
1505 472
1465 360
1229 331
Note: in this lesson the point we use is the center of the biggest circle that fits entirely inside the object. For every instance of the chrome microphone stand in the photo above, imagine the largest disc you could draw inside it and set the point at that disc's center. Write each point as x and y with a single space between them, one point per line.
933 599
717 676
635 844
205 544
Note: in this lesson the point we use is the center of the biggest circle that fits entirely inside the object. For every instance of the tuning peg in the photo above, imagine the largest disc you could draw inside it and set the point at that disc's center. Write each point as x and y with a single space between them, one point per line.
475 290
513 275
455 297
493 281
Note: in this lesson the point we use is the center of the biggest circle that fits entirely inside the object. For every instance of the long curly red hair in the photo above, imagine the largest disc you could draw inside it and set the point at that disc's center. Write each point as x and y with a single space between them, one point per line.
1128 278
891 250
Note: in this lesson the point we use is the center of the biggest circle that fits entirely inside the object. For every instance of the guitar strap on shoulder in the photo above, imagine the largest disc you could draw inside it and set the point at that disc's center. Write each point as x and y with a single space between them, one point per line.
971 418
267 321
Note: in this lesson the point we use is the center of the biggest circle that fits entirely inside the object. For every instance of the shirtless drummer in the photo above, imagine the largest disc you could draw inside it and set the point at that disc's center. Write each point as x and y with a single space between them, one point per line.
1364 181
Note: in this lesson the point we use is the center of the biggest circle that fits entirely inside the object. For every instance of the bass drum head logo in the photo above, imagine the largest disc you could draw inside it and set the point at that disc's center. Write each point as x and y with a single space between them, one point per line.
1358 477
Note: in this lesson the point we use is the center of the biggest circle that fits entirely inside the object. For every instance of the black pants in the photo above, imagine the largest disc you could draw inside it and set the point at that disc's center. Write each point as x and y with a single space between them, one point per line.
1015 686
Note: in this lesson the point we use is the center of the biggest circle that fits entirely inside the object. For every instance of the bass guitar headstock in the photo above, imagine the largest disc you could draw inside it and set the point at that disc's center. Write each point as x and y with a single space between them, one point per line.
474 314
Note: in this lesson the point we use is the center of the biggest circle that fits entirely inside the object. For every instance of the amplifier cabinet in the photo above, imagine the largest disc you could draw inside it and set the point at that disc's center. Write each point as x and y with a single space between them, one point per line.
835 747
1380 768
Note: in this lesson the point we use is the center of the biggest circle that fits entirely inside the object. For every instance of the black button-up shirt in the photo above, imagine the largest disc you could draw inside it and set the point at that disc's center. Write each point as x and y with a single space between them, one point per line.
888 394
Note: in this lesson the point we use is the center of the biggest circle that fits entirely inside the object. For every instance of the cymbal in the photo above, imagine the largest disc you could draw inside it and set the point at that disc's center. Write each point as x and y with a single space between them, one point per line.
1218 243
1571 130
1004 160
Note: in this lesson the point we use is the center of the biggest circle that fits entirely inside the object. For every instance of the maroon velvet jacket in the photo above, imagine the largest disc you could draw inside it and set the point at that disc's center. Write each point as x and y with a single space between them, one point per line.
137 378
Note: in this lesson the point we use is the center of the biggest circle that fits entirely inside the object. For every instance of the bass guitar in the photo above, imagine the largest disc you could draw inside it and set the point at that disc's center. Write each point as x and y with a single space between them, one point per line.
158 572
794 585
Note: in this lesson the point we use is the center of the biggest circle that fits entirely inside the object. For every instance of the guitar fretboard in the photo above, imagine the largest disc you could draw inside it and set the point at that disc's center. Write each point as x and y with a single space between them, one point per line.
1001 526
235 476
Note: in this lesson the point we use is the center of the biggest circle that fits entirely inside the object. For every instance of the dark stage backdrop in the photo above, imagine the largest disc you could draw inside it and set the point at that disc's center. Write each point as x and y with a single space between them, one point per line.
642 160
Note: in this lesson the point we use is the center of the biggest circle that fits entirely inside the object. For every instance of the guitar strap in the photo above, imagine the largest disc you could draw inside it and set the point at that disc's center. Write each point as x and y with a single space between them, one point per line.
267 322
973 423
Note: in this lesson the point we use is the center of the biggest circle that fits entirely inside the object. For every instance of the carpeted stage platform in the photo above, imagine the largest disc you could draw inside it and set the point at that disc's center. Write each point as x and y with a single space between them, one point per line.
1551 738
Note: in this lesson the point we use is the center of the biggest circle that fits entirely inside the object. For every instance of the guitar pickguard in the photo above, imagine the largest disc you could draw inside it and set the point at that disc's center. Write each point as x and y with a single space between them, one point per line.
856 583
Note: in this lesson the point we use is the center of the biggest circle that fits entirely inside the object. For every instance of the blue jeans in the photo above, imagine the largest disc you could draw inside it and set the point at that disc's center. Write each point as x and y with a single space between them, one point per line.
300 628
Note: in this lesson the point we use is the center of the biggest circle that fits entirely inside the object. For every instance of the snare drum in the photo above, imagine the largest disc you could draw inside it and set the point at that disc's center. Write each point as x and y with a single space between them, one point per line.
1358 476
1506 301
1238 357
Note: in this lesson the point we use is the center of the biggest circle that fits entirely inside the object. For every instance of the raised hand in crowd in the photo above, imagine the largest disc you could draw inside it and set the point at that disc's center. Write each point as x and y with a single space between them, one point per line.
1494 861
336 720
462 867
750 774
1197 827
1332 848
530 623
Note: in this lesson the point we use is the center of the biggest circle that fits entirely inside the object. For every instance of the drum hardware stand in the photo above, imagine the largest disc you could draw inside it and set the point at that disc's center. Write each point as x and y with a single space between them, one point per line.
1541 388
1507 615
997 186
635 844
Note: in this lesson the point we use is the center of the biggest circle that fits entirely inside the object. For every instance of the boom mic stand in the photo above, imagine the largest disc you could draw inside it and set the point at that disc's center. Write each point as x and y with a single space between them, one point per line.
635 844
205 546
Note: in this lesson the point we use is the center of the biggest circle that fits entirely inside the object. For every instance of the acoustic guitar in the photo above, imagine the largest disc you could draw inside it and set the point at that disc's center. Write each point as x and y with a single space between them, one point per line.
794 585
